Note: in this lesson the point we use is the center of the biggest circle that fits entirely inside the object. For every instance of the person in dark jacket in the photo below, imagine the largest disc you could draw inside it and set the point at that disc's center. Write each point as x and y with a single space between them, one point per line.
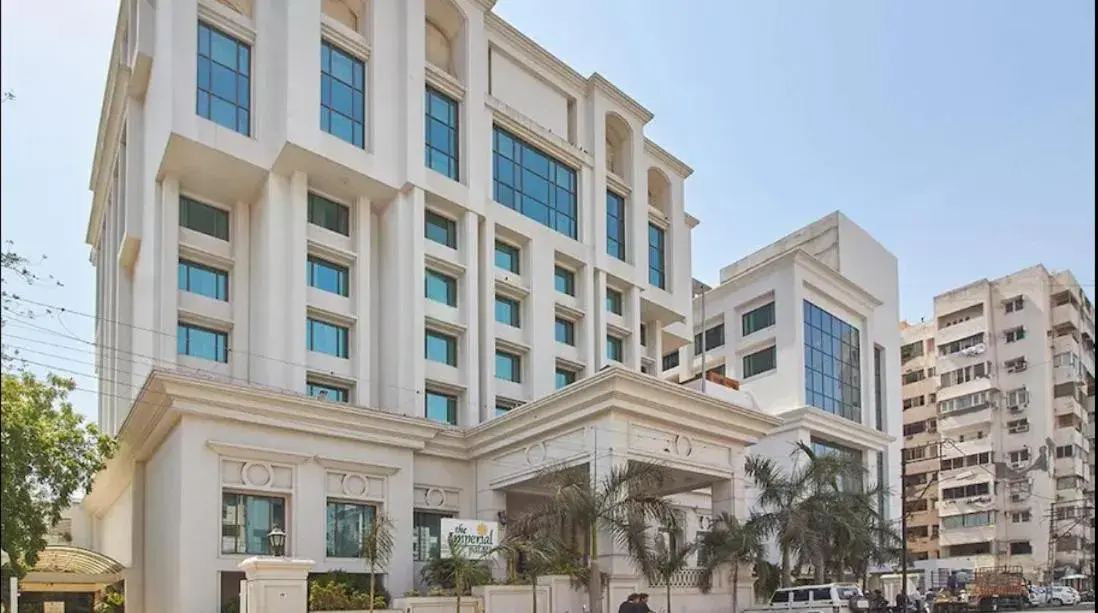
630 604
642 604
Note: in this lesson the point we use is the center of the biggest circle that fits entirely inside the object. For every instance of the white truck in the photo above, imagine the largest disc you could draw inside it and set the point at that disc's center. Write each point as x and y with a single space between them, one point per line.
823 598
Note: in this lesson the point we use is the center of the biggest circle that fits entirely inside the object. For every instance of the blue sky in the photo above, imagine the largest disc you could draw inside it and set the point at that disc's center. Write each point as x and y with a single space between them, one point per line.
959 134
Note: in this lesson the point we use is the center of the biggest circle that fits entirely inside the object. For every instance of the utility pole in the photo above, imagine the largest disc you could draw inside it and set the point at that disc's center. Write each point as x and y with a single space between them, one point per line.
1051 540
904 513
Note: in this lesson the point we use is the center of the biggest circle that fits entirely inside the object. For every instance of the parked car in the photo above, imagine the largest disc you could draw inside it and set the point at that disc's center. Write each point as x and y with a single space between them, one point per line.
1059 595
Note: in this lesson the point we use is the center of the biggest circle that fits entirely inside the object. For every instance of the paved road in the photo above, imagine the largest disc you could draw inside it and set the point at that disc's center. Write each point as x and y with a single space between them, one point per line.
1086 606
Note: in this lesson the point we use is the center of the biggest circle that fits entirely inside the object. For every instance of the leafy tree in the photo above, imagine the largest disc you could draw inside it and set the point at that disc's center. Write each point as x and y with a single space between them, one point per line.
729 542
542 552
459 572
377 549
663 560
47 455
617 505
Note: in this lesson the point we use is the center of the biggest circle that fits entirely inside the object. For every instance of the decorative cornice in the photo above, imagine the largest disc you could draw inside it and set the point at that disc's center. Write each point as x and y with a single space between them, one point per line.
535 52
537 135
691 221
249 452
673 163
110 126
367 468
834 427
601 83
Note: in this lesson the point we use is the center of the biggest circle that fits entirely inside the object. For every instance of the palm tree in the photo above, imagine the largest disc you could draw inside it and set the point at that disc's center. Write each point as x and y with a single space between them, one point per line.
729 542
665 559
613 505
459 571
540 551
801 506
377 548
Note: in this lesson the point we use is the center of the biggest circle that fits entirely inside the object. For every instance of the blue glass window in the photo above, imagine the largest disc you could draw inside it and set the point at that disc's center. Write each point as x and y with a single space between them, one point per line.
760 362
507 257
441 407
502 409
507 311
329 214
565 281
199 342
330 392
203 218
325 275
565 331
832 364
246 520
508 366
758 319
203 280
533 183
323 337
614 349
347 523
439 347
846 482
441 131
614 301
224 92
615 225
342 94
440 229
441 288
565 377
656 261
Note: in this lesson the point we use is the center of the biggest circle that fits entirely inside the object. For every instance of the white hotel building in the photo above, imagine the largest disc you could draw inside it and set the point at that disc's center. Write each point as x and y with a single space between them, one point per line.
809 326
291 199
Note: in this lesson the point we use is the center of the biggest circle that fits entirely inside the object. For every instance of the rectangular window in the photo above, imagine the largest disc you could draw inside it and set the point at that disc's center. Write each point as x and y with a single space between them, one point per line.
531 182
347 523
507 312
565 281
878 387
714 337
328 276
246 520
671 360
426 534
224 80
329 214
565 377
615 225
503 409
439 347
656 263
441 407
323 337
440 288
615 349
507 257
440 229
203 218
508 367
1015 334
760 362
644 335
822 447
757 319
199 342
441 133
565 331
832 364
328 392
203 280
614 301
342 94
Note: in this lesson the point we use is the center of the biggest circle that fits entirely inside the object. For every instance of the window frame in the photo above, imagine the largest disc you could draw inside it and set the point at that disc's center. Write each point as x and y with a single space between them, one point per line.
748 358
615 222
328 79
343 275
567 277
423 552
748 323
615 298
453 129
451 406
242 505
512 257
513 193
316 217
618 343
569 329
364 523
432 219
571 377
221 342
515 321
657 256
343 337
242 80
221 279
450 283
343 393
515 367
451 347
189 206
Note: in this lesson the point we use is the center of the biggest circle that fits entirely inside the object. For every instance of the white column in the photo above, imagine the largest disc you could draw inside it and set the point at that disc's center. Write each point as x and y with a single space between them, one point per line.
276 585
485 272
469 413
598 309
655 345
412 83
401 316
587 292
167 251
538 324
634 350
292 282
609 446
363 297
135 574
239 296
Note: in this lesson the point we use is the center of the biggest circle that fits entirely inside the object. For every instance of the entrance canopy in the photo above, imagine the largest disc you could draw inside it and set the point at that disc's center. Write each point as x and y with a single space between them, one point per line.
72 569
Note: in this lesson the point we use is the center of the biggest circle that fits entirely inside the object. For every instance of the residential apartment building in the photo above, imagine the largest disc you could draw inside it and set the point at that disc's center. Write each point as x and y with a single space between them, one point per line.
919 385
808 326
396 230
1006 368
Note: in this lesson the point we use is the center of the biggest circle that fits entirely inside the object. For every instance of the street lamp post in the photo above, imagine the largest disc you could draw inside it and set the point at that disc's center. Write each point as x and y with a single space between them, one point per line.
276 538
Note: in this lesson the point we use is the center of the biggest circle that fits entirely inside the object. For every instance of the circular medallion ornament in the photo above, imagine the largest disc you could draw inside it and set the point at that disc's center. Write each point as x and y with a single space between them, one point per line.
255 474
683 445
355 485
536 453
434 497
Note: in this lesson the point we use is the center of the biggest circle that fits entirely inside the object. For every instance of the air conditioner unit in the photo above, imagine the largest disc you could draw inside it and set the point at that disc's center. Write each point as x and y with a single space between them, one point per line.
1017 497
1018 464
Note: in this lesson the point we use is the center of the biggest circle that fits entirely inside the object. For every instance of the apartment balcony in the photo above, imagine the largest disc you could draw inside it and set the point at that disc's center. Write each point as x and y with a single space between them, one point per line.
967 448
966 418
962 536
1069 436
1066 467
1066 314
956 332
960 359
922 466
1068 405
926 411
981 384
